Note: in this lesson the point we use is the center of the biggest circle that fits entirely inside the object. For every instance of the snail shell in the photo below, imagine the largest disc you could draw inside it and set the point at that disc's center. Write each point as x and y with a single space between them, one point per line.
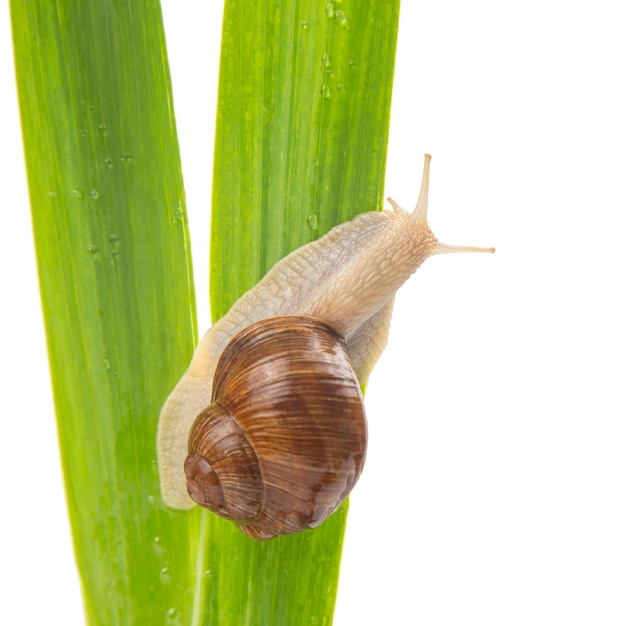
284 440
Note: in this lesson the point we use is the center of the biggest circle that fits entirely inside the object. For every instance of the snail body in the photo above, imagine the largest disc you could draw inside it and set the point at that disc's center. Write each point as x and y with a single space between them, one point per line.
346 280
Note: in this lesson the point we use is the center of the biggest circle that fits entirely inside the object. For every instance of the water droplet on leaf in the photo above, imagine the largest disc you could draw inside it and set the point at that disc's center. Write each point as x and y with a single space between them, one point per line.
173 617
340 16
177 213
165 576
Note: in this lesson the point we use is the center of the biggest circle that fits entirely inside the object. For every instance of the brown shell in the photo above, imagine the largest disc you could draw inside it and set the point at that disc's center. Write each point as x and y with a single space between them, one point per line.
284 392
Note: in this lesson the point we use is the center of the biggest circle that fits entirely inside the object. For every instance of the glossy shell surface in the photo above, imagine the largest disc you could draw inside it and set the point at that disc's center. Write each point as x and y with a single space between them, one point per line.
289 386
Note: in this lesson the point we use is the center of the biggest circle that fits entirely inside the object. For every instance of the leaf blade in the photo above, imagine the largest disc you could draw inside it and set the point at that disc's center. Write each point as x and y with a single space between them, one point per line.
301 136
107 203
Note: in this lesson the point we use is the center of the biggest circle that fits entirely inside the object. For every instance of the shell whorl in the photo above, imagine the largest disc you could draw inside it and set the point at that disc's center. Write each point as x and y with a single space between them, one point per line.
222 467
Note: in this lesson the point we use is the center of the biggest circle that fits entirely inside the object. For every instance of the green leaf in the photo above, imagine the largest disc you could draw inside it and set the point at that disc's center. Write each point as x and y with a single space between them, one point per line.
301 141
112 250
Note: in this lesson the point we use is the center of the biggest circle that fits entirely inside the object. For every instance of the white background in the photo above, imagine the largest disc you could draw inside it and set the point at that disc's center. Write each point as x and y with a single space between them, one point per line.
494 491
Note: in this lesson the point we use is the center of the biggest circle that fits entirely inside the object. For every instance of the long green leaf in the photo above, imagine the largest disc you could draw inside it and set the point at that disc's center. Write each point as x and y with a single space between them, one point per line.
301 139
111 237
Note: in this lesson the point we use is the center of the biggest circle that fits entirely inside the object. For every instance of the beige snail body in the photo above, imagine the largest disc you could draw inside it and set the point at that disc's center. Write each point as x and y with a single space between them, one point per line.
346 280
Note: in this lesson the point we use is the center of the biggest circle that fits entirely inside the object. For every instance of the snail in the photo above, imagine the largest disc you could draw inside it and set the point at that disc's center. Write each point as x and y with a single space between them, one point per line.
267 427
